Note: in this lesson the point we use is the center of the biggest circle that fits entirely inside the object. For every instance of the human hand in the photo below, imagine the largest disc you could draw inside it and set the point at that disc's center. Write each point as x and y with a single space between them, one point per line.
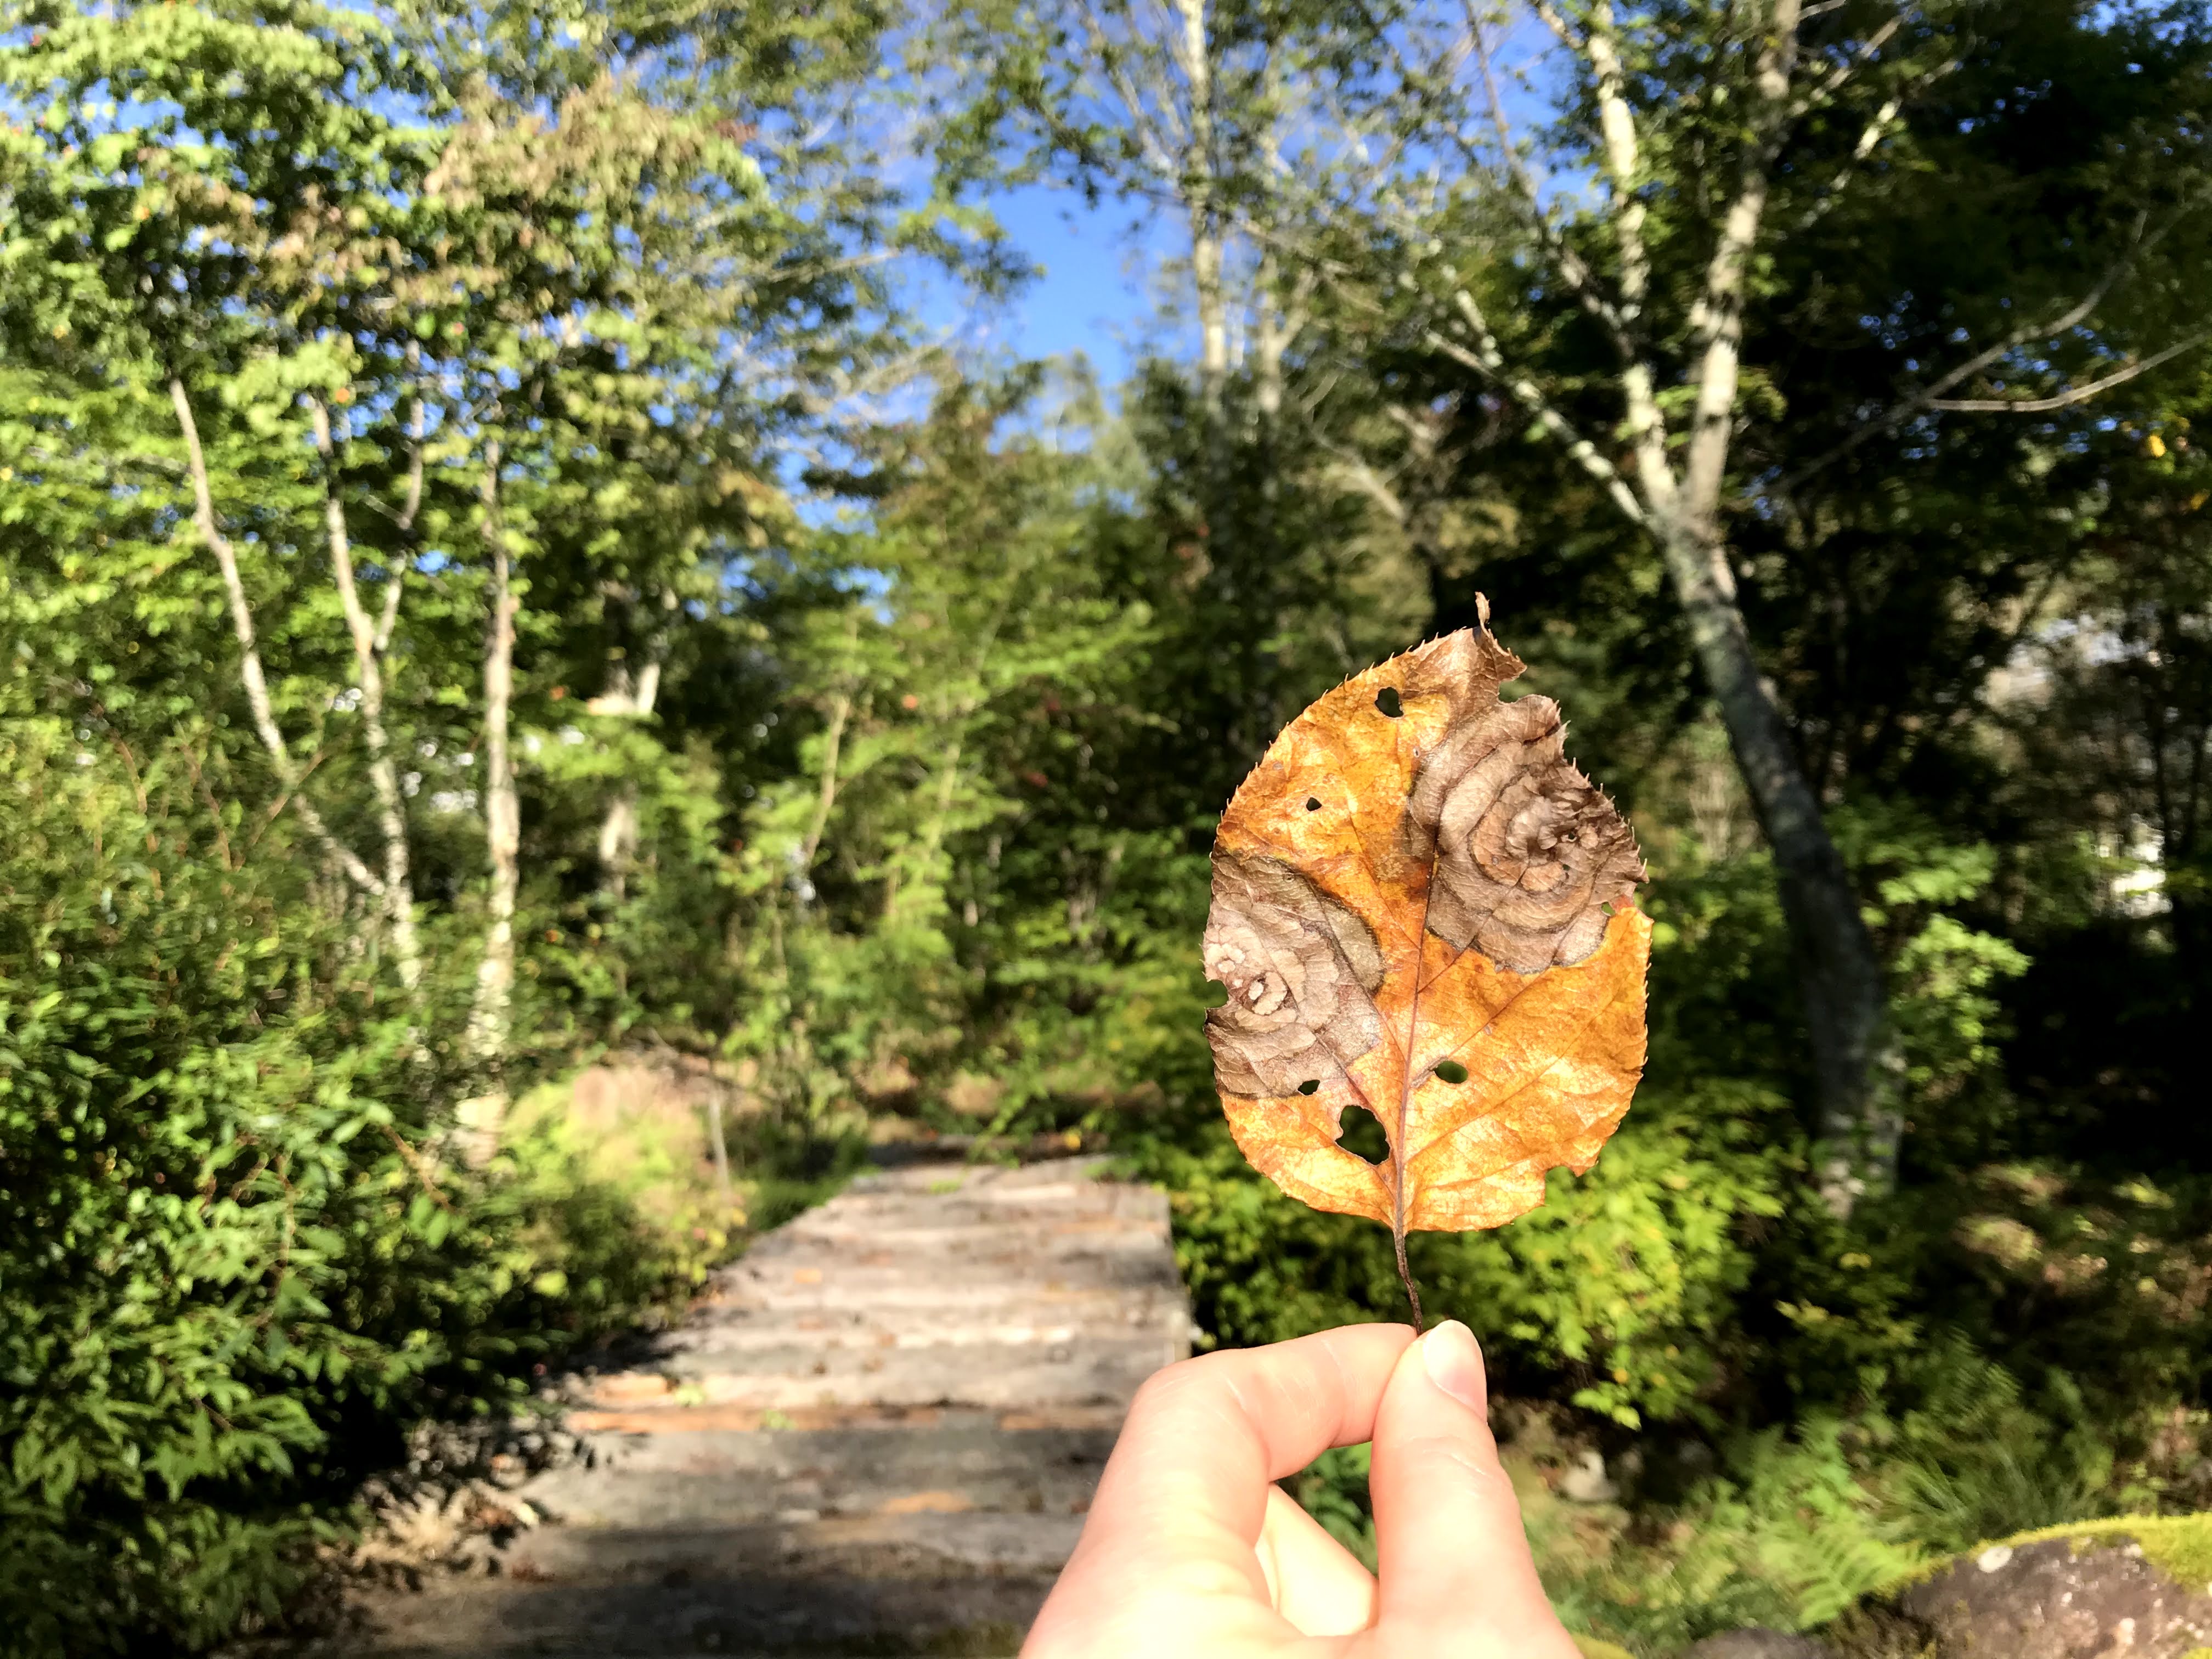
1191 1549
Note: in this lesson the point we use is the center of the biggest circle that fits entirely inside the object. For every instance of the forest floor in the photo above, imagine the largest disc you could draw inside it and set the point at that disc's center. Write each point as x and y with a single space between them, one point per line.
878 1433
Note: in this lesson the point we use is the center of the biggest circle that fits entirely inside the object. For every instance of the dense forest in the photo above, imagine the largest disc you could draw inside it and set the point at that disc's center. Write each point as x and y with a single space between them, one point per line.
497 571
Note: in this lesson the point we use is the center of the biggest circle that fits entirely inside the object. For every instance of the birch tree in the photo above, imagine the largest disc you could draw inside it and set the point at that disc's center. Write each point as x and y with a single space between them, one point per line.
439 328
1707 137
1172 104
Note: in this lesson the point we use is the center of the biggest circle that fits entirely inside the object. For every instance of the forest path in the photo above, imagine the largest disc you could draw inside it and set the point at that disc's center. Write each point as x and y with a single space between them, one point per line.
877 1434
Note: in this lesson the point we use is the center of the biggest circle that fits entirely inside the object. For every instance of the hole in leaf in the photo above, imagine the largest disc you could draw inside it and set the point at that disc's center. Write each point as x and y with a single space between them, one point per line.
1389 703
1310 1086
1312 805
1363 1135
1217 994
1451 1071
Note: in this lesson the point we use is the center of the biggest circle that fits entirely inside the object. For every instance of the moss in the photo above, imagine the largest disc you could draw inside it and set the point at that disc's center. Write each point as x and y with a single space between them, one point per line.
1592 1648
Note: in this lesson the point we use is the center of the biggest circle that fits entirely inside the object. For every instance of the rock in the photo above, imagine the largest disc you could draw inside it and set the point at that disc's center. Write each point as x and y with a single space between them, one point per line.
1586 1482
2113 1589
1758 1644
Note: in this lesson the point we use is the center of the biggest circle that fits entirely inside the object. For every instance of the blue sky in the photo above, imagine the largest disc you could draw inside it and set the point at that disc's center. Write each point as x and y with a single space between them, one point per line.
1097 291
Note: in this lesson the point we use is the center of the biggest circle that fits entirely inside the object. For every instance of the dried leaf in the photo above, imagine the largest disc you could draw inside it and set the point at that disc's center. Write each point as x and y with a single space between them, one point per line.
1422 910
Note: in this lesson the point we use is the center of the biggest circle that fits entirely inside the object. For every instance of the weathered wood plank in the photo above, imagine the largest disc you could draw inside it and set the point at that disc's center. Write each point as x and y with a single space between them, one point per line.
883 1423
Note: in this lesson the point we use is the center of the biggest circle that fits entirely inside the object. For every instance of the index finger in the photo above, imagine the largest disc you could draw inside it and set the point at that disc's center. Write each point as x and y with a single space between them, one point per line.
1181 1503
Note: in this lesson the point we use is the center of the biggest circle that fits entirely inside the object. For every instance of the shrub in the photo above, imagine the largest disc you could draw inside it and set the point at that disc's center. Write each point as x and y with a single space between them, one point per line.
233 1269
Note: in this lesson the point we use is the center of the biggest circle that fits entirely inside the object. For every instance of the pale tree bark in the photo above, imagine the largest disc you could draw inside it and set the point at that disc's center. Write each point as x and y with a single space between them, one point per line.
832 740
633 697
1858 1066
368 643
1200 191
491 1012
249 651
825 801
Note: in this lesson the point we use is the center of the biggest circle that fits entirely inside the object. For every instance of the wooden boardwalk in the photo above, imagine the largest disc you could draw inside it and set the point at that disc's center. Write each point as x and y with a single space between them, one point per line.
878 1434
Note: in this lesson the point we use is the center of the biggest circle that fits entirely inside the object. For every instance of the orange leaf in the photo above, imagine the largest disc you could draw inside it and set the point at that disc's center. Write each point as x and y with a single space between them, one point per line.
1422 910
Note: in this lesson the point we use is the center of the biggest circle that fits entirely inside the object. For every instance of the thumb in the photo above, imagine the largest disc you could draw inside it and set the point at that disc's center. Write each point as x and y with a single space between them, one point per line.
1447 1525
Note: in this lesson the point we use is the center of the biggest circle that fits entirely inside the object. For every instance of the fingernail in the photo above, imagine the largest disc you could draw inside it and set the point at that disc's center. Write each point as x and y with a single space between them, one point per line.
1454 1365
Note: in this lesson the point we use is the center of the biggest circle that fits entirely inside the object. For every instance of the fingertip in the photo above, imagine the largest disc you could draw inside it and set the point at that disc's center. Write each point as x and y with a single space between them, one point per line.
1453 1361
1446 1517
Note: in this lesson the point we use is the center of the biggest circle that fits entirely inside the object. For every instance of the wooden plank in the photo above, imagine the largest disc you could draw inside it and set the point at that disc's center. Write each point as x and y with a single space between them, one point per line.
884 1422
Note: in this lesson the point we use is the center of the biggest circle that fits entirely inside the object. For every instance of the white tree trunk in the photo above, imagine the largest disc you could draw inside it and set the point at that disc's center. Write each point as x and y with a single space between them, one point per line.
491 1014
633 699
249 654
1200 189
368 641
1857 1064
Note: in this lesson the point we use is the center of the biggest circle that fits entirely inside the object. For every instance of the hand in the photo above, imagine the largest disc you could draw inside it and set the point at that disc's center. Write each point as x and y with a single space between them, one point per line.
1191 1549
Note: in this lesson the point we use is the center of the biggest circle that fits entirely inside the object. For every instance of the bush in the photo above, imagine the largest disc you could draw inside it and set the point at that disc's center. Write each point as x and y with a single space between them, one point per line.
232 1267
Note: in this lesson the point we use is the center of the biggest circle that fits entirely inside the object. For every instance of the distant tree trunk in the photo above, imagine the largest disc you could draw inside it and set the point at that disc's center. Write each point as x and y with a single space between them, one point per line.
833 739
1673 489
1201 189
634 698
491 1014
368 643
1856 1066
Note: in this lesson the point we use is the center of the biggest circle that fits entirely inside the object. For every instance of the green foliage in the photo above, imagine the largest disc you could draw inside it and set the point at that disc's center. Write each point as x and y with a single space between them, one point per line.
896 800
353 298
1787 1535
951 900
230 1266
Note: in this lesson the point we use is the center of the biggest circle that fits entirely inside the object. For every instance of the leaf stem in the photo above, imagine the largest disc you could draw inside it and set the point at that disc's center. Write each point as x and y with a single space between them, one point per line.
1406 1274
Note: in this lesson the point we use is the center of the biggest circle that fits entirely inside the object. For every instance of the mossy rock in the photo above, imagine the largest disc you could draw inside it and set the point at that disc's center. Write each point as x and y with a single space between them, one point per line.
2179 1545
2137 1584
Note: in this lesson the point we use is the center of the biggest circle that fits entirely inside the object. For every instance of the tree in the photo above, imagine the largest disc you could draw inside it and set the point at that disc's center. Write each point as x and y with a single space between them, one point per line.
1714 138
1180 109
500 319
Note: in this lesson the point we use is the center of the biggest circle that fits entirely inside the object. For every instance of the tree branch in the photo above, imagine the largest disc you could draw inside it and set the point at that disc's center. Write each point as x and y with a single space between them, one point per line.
2079 394
1717 319
1487 361
395 575
1580 280
368 674
1839 77
241 622
2072 317
1623 155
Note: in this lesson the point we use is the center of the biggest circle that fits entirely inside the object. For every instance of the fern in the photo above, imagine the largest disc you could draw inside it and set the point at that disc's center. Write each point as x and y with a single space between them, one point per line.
1974 1460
